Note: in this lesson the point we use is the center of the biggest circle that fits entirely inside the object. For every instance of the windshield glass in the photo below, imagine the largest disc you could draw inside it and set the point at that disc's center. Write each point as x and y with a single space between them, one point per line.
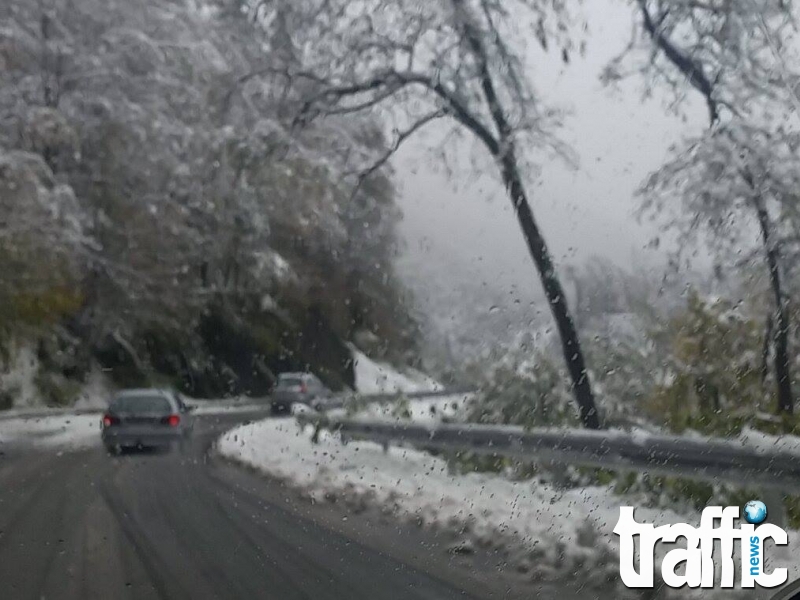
464 299
140 405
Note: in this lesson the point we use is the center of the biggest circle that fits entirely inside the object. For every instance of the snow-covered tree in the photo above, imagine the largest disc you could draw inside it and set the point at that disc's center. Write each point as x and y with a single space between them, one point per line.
461 62
713 368
150 127
41 237
735 183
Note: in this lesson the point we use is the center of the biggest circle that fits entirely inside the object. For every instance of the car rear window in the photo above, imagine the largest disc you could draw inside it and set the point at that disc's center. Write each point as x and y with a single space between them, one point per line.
141 404
289 382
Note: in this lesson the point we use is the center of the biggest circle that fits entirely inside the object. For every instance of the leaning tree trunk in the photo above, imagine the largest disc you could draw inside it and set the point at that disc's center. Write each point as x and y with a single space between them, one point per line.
503 151
781 328
570 345
765 349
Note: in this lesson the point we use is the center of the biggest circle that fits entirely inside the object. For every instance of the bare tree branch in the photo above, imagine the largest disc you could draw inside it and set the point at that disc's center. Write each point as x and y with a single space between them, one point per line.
690 69
781 65
397 81
401 137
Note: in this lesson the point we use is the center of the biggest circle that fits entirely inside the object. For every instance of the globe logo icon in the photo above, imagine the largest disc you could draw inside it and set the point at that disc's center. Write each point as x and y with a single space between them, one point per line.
755 512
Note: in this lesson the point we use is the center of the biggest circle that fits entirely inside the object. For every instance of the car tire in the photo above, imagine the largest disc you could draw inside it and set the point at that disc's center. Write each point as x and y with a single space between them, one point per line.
281 410
113 449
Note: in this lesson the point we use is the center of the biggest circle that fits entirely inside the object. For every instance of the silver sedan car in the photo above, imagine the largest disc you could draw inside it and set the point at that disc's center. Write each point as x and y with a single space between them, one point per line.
146 418
299 388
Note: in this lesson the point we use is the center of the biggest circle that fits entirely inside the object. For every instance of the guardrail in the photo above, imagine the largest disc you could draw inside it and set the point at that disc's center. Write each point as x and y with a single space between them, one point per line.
448 391
719 461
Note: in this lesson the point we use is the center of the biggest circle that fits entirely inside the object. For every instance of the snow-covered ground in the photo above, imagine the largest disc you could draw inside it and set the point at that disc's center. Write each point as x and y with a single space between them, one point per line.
373 377
555 532
775 443
96 392
417 485
420 410
20 377
207 407
62 431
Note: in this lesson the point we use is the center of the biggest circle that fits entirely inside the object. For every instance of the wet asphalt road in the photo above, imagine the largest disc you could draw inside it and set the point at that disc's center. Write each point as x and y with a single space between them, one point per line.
140 526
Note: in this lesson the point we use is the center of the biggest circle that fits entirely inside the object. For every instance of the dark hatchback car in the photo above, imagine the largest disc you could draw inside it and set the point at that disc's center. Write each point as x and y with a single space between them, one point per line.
146 418
299 388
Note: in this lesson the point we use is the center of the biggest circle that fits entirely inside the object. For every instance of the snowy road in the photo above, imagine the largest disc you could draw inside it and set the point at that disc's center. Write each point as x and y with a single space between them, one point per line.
75 523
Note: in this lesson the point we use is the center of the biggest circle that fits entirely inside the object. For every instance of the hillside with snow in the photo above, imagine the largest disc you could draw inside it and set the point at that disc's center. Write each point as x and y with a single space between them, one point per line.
373 377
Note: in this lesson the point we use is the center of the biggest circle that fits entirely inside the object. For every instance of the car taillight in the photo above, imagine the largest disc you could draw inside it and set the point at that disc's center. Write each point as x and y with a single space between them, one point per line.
108 420
172 420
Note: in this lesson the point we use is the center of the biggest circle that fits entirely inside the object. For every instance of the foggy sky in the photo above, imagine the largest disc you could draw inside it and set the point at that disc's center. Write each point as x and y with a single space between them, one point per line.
454 230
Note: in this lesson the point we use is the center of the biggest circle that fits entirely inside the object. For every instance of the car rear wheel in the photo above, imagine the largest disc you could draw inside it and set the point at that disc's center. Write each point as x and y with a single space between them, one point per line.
281 409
